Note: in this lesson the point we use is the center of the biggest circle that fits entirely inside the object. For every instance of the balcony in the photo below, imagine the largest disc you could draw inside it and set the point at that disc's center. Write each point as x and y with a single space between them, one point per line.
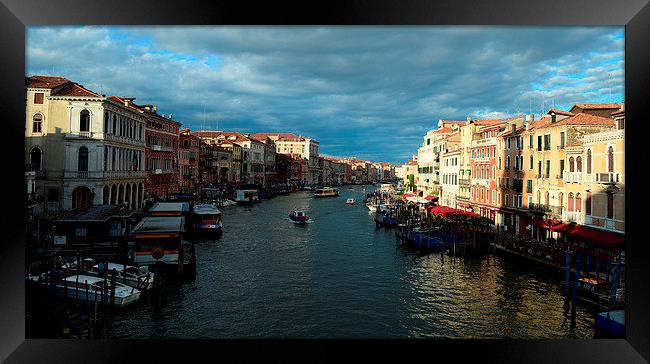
482 142
602 222
545 208
82 135
162 171
463 181
481 182
103 174
572 216
607 177
162 148
573 177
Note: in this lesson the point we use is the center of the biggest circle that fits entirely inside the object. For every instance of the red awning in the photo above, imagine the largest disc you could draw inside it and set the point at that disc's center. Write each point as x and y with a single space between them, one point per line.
597 236
408 195
545 224
563 228
431 198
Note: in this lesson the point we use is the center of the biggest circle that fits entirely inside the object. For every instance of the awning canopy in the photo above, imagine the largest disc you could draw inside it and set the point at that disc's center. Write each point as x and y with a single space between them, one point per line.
545 223
563 228
407 195
431 198
597 236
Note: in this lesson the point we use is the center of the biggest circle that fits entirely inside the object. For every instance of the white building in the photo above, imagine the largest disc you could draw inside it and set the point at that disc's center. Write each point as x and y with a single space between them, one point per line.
433 145
85 148
450 171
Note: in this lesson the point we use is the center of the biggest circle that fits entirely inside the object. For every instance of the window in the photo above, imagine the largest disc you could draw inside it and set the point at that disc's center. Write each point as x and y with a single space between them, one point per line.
531 162
589 161
620 123
547 142
84 121
106 120
83 159
539 142
53 195
579 164
37 125
35 158
610 159
38 98
428 141
588 203
546 198
505 200
561 168
571 202
610 205
548 168
571 164
529 186
114 123
562 140
508 162
499 163
494 194
578 202
539 169
530 141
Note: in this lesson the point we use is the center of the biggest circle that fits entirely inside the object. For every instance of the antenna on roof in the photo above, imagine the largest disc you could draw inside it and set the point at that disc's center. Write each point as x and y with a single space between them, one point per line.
609 85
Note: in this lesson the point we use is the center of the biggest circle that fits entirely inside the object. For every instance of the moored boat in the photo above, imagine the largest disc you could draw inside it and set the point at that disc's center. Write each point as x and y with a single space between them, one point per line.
299 217
246 197
426 239
326 192
140 278
207 219
88 288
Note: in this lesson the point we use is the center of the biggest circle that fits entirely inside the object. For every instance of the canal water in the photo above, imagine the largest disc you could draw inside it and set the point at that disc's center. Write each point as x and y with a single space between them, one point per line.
341 277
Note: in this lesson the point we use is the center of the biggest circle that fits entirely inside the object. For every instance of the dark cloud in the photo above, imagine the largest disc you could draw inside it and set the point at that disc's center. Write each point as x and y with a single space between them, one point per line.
365 91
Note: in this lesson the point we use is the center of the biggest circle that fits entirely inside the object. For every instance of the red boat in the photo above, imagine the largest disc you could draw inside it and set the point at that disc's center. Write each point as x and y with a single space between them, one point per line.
298 217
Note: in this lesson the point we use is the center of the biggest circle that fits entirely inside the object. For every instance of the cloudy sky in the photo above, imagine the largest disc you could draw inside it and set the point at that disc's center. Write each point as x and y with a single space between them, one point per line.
369 92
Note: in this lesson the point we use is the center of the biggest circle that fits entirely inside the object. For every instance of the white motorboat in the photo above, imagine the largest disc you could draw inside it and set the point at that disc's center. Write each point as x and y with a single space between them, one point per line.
88 288
326 192
350 201
207 218
140 278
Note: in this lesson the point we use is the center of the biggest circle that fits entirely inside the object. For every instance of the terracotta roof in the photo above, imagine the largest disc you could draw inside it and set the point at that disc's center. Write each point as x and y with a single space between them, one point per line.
74 89
45 81
446 129
488 122
579 119
597 106
560 112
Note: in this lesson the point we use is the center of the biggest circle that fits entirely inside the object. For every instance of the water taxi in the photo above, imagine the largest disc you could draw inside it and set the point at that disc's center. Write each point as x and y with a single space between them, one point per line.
299 217
246 197
326 192
207 219
350 201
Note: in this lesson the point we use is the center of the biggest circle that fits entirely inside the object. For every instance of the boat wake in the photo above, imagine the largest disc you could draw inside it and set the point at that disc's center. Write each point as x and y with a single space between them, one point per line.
299 223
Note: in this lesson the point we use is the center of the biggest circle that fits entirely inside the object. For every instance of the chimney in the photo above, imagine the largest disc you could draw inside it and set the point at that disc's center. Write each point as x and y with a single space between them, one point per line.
514 128
552 118
469 120
170 116
155 108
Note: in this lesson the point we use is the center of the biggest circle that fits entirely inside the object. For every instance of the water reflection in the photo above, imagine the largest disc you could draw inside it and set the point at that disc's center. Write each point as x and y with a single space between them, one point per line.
341 277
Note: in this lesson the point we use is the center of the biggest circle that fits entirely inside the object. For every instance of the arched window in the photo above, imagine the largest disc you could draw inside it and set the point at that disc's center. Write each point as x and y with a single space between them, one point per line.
106 121
531 162
84 120
37 125
588 203
579 164
83 159
578 202
610 159
499 162
571 164
114 124
588 161
571 203
35 158
546 198
508 162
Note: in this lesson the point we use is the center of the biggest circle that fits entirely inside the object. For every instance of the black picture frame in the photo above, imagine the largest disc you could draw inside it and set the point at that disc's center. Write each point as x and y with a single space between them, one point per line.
15 15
